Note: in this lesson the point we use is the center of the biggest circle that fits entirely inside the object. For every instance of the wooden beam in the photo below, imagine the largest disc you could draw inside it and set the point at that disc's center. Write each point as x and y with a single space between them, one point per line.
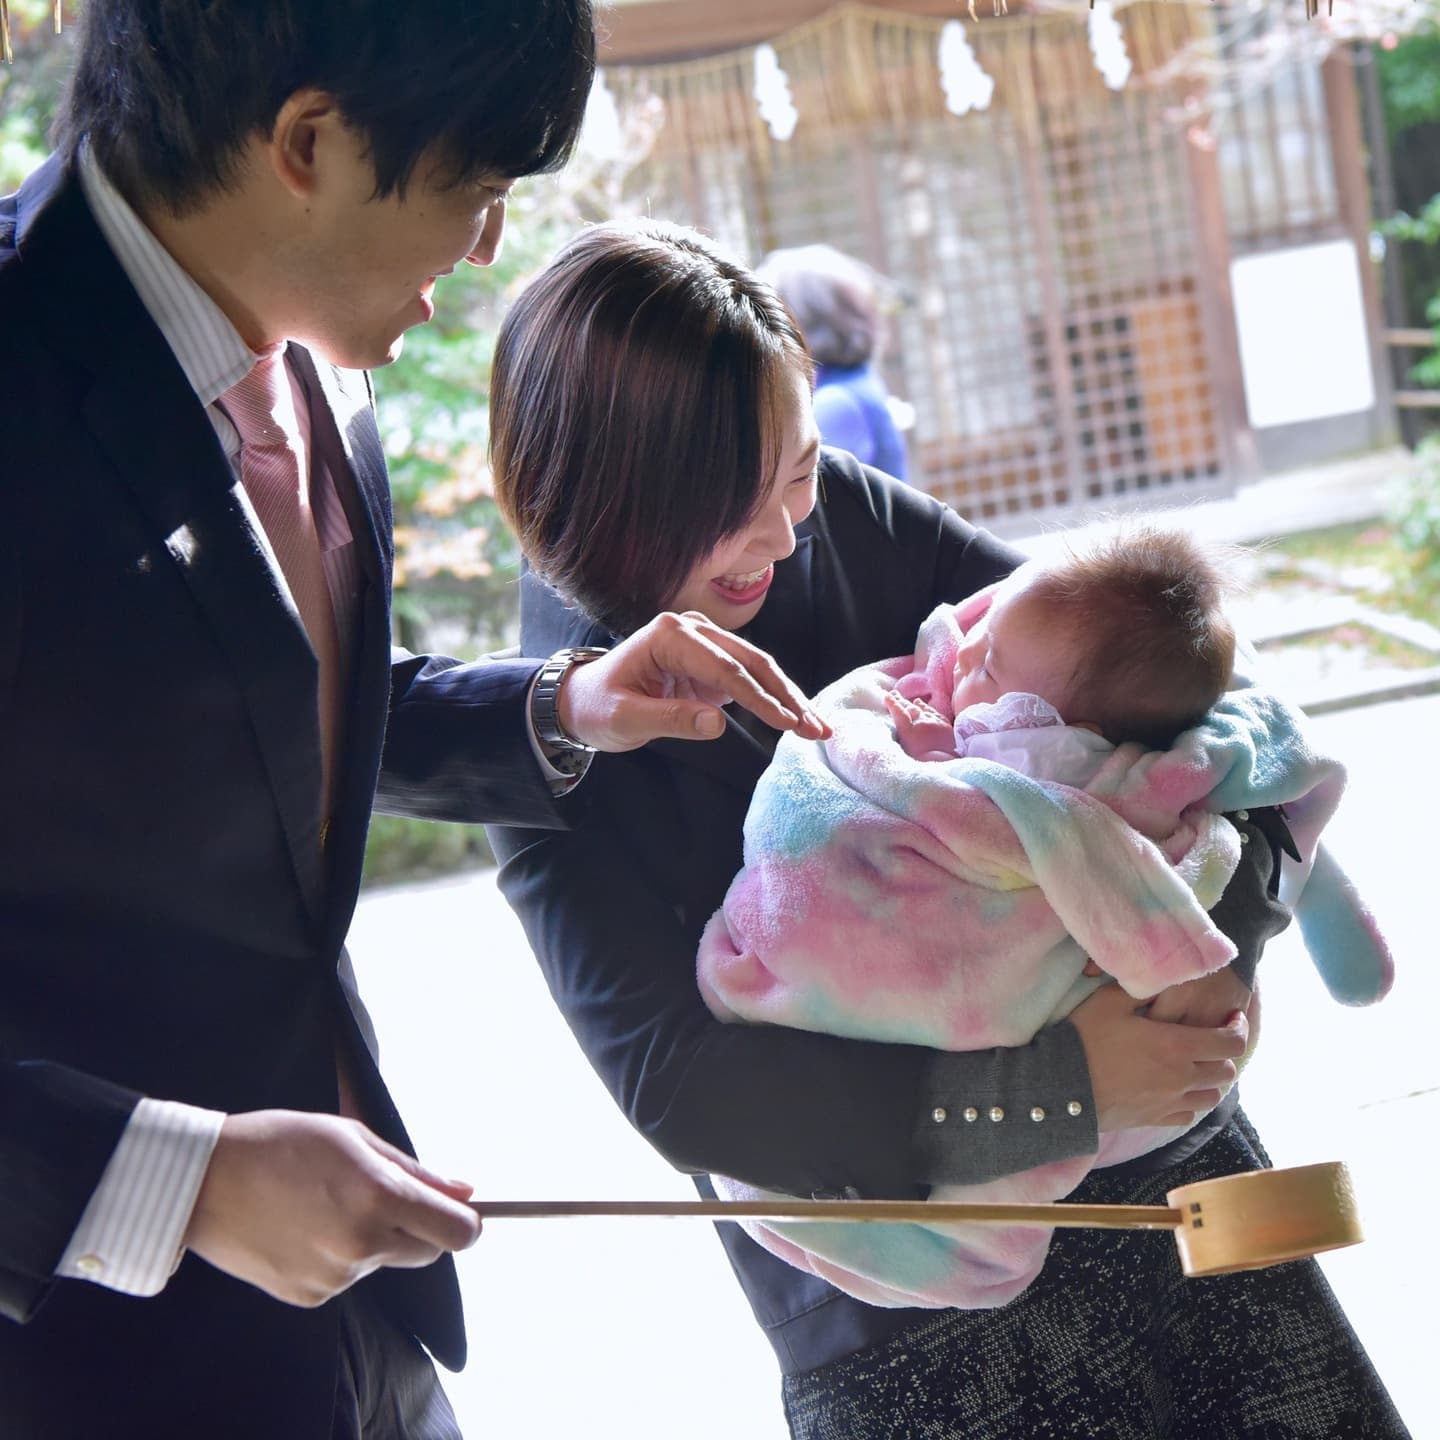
659 30
1411 339
1418 399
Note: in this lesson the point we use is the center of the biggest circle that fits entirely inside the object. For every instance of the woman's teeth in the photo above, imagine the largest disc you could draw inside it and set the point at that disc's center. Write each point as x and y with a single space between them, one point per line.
742 582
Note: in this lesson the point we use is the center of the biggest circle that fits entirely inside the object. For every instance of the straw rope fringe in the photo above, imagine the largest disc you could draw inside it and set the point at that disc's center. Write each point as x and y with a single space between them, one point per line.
998 7
858 65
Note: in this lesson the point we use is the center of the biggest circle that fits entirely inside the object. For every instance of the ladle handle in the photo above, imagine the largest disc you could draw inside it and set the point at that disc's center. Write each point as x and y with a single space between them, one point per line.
1105 1217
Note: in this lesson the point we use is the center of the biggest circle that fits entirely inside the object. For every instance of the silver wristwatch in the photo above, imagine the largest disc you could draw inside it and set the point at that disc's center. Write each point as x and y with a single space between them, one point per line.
544 709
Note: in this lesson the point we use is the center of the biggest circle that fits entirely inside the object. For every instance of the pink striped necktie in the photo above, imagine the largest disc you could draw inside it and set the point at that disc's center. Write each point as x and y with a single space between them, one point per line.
275 471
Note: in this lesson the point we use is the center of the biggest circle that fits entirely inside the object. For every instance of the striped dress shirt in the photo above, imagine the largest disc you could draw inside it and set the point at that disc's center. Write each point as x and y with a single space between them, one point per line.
131 1234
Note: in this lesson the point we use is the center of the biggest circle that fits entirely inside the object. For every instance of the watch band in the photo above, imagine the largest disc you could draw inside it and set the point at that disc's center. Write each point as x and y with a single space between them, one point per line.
545 696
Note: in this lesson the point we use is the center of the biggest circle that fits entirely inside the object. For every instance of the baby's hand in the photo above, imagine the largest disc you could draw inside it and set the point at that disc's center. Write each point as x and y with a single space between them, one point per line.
1208 1002
923 732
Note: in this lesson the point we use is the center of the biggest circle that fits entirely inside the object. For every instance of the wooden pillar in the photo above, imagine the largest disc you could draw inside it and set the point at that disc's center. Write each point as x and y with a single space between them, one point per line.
1352 188
1217 304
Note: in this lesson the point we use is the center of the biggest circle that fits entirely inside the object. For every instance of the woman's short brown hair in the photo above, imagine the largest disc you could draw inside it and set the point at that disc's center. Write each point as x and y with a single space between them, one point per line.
636 409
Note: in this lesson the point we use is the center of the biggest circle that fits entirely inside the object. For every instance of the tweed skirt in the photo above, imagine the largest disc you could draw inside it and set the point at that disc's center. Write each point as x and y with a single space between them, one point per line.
1112 1341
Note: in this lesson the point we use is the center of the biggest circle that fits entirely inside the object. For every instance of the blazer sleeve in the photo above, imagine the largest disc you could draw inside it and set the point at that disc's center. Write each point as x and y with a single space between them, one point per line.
58 1129
457 744
785 1109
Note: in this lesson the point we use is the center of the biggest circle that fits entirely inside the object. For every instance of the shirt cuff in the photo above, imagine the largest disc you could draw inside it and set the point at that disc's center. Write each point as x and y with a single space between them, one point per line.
575 763
998 1112
132 1233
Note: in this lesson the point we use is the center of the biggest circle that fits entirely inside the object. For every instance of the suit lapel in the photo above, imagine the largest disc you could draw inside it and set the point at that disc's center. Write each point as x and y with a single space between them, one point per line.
148 422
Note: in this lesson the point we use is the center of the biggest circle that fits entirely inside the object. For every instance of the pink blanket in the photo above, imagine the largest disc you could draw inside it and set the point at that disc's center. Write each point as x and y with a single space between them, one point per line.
953 903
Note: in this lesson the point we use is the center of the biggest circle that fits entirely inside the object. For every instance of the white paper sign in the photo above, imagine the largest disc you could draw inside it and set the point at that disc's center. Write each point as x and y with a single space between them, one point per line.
1303 344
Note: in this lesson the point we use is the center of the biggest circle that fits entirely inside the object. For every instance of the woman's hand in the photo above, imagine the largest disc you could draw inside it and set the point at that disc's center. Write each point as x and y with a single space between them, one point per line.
1151 1072
669 680
1210 1000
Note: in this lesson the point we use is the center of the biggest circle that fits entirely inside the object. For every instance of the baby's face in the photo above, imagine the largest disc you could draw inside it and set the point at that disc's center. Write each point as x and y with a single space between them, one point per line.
1015 645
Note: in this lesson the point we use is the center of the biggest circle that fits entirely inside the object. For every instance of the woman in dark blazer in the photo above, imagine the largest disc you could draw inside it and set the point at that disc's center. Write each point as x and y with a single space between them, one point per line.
654 448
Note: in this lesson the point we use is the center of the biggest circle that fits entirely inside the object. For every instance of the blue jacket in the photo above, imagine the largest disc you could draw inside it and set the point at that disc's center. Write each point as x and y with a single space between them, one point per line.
852 414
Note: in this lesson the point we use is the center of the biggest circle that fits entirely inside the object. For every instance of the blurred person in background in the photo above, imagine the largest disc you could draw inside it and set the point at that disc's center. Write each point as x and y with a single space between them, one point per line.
839 304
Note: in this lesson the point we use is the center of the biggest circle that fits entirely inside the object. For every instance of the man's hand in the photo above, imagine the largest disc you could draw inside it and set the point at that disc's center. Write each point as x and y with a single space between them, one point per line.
670 679
1147 1072
303 1206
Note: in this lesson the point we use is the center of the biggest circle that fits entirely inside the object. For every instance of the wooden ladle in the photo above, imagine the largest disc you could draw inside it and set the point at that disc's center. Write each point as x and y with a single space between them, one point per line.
1236 1222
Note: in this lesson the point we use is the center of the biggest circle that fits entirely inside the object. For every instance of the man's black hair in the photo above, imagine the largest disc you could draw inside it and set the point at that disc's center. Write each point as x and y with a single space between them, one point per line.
166 91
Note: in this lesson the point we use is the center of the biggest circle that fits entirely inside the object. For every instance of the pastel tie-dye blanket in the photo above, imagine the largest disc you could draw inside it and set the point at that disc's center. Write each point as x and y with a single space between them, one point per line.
953 902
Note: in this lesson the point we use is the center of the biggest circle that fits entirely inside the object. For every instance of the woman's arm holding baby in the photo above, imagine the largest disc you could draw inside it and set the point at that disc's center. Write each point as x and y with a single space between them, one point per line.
1249 913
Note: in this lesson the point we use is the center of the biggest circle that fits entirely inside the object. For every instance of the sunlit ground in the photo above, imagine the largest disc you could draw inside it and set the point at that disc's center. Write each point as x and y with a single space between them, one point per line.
636 1329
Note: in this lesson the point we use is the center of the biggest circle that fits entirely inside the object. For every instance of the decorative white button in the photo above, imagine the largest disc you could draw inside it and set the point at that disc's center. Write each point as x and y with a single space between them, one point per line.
90 1265
971 1114
1244 837
997 1112
1074 1108
939 1114
1037 1112
1242 814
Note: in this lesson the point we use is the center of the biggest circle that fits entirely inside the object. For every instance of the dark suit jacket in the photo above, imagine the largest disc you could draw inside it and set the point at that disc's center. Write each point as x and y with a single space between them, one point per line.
614 908
169 921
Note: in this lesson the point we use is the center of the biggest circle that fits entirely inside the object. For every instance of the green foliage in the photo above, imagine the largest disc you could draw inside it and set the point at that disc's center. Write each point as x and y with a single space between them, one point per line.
1417 521
400 849
456 563
1410 80
29 89
1424 229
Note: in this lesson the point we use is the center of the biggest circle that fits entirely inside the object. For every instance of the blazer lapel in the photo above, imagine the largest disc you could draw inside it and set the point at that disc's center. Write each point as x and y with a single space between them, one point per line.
147 420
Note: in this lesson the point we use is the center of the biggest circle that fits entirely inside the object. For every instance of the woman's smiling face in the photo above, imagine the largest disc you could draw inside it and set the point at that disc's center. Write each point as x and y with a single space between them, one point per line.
729 584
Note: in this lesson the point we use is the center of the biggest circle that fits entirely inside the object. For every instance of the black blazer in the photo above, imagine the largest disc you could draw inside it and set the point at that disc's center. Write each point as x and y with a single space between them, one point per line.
614 909
170 923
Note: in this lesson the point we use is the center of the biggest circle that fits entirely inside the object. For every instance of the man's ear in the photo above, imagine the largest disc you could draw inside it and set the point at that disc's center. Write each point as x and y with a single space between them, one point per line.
308 137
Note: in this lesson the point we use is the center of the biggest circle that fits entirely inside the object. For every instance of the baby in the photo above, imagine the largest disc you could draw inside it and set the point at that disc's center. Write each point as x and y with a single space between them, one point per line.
1028 806
1126 641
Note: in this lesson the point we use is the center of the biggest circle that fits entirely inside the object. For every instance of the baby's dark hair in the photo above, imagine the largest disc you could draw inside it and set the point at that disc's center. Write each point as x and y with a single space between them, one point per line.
1144 611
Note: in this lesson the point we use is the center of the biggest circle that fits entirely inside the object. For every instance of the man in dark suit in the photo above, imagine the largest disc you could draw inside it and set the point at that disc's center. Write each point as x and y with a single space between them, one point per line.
248 206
